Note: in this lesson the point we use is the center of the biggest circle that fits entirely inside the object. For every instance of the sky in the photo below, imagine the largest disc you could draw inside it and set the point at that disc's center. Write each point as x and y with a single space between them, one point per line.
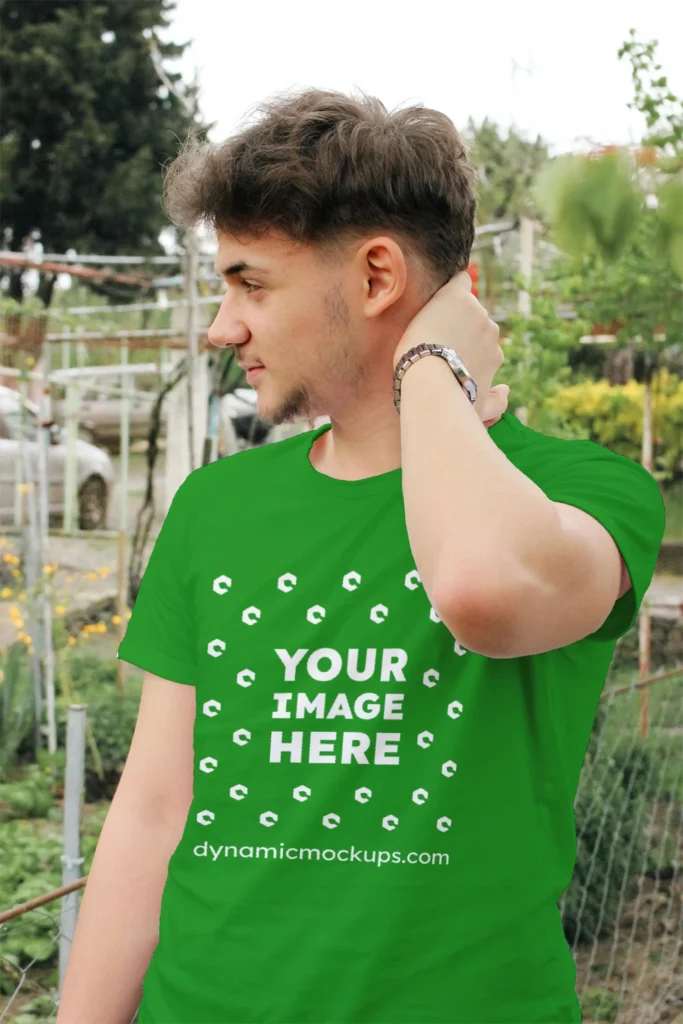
546 68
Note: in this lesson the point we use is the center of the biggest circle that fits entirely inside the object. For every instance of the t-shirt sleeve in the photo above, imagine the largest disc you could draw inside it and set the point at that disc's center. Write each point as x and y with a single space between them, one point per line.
160 633
626 499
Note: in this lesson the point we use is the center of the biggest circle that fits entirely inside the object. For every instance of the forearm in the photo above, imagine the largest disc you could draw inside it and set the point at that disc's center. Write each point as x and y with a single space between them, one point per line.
479 529
118 920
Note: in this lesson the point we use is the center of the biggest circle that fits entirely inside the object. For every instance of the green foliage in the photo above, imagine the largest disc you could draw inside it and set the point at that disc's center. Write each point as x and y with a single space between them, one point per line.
536 352
111 718
613 417
607 818
590 202
637 297
662 109
30 866
16 705
599 1004
87 123
506 166
30 797
670 221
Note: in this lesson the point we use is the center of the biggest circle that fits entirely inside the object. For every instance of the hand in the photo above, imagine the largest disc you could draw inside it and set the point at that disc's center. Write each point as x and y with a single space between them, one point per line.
495 404
455 318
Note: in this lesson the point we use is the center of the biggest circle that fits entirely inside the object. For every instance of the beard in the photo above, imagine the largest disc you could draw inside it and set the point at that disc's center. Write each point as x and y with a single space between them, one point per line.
340 367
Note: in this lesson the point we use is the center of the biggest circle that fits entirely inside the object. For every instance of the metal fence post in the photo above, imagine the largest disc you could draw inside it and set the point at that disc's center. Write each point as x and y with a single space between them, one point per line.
71 859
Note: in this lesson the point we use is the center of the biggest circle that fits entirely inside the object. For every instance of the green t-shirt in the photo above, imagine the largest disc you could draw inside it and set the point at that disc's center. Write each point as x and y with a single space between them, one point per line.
382 822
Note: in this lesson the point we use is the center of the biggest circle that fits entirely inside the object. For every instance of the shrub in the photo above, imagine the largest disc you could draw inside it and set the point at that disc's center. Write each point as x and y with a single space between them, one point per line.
110 717
613 416
612 811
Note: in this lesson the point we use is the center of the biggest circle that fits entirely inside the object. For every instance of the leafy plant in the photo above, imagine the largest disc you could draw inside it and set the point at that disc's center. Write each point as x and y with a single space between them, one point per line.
600 1004
16 705
111 717
536 350
31 796
613 416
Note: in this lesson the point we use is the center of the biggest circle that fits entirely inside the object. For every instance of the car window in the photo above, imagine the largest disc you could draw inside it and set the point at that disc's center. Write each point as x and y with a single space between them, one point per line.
11 410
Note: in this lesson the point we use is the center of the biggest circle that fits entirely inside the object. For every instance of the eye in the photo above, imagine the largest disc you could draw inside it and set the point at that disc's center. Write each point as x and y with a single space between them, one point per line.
250 287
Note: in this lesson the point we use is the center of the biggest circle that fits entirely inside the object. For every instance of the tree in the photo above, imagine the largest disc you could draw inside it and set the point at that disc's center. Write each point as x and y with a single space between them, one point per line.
618 215
87 126
506 166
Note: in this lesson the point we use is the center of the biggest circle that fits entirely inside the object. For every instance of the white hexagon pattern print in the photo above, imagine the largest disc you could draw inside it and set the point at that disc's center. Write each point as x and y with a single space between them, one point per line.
320 743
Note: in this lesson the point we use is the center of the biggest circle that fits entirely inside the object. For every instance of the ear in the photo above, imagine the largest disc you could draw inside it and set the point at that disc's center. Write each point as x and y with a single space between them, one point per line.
383 273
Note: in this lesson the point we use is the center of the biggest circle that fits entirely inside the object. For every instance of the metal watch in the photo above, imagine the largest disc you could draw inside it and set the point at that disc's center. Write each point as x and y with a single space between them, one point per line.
452 358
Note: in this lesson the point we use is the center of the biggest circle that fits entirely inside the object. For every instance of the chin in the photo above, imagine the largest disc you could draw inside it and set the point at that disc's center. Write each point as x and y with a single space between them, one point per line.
293 407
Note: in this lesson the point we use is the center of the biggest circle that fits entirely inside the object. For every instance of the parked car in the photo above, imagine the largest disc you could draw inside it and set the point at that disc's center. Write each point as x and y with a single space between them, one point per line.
100 417
99 420
94 473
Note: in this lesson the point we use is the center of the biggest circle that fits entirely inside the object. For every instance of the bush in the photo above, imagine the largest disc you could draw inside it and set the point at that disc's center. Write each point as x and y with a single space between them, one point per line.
111 717
600 1004
29 797
613 416
30 866
612 813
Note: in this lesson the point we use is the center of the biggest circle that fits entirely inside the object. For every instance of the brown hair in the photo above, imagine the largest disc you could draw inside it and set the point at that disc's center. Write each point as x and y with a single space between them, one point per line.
322 167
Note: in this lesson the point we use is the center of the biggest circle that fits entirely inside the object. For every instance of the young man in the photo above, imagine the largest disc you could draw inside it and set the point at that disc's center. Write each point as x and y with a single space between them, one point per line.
396 626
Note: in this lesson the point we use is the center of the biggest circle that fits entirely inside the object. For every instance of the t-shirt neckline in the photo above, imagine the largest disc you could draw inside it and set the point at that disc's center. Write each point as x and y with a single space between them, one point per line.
387 482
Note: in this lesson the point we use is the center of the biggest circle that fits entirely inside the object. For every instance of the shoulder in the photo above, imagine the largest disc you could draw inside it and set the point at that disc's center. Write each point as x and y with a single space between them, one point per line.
249 466
551 457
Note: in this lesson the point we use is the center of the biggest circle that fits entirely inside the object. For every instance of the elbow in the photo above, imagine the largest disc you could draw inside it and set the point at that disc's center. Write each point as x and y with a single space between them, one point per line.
481 619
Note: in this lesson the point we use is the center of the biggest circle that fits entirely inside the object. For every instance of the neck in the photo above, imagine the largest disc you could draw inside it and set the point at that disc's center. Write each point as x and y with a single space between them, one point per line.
363 441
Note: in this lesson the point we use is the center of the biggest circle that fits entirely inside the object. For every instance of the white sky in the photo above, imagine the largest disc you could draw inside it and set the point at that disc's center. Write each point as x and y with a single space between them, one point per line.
449 55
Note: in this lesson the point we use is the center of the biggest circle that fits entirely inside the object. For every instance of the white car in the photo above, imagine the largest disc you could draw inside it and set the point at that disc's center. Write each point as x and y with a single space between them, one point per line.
94 472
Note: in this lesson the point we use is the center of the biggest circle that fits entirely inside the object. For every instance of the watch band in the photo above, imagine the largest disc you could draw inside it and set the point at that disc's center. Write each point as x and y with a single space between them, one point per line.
452 358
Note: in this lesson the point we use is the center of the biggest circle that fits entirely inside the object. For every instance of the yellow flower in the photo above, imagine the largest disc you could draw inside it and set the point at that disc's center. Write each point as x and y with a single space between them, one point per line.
72 640
91 576
116 620
6 592
26 639
21 635
7 558
16 572
104 571
19 624
59 609
22 596
49 568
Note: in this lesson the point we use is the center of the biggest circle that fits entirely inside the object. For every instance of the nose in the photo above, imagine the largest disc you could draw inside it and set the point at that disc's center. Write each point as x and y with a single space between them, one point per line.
226 329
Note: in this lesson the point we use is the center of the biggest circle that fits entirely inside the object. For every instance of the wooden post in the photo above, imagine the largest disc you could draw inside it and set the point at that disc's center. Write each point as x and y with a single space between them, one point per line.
123 511
644 647
645 622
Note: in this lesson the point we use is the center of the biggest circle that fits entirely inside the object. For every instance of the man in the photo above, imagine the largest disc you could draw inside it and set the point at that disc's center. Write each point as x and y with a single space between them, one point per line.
397 625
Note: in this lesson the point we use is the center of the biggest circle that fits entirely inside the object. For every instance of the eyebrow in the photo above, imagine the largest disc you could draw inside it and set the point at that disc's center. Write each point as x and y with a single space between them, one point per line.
238 268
